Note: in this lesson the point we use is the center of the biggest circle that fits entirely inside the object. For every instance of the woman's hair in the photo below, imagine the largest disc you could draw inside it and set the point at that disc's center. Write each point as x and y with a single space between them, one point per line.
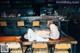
49 22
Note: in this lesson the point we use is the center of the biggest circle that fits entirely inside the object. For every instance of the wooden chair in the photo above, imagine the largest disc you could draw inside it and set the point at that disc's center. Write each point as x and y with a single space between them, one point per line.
39 45
40 48
2 43
16 51
14 47
61 51
62 48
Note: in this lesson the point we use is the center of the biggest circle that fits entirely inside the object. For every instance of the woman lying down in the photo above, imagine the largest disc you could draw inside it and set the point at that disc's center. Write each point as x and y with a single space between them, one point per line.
43 35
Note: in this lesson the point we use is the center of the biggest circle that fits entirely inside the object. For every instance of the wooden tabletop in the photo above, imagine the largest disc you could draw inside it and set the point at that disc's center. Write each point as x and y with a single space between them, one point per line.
15 39
9 39
66 39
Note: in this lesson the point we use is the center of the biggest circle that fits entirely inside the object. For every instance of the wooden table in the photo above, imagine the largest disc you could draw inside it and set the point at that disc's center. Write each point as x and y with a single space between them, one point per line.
14 39
9 39
62 39
5 39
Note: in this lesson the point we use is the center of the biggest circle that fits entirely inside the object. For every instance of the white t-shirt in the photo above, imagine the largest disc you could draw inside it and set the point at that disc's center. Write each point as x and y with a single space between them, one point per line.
54 32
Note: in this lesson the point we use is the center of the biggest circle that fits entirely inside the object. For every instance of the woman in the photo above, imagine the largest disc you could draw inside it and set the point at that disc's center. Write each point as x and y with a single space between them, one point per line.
38 35
43 35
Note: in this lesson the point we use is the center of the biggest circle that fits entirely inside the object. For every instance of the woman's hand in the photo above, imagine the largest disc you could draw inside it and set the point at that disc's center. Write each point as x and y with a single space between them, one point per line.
18 38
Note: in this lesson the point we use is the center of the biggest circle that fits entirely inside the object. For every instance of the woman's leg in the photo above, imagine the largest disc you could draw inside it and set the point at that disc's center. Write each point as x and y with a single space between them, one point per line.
54 36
